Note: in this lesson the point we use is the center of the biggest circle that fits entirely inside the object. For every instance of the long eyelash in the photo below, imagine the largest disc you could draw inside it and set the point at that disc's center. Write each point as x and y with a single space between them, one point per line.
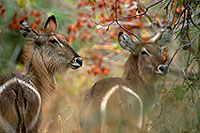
145 52
53 41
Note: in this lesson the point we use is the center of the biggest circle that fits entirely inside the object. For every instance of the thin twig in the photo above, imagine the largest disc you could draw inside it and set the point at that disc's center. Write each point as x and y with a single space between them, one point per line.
129 17
158 11
75 118
144 12
168 13
106 8
182 47
116 20
178 29
199 45
177 23
182 24
173 85
104 25
159 117
128 30
188 65
194 23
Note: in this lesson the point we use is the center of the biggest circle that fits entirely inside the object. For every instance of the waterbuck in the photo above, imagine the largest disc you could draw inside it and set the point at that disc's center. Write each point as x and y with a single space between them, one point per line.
22 95
118 105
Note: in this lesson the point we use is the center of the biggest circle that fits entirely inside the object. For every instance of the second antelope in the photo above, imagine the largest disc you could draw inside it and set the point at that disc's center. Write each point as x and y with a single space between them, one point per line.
21 95
115 105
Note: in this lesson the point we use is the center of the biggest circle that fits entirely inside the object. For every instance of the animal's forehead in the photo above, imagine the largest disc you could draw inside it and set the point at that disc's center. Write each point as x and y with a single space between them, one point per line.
59 37
153 48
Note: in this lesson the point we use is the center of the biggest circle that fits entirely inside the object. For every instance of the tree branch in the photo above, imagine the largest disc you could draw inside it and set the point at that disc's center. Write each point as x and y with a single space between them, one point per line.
116 20
182 47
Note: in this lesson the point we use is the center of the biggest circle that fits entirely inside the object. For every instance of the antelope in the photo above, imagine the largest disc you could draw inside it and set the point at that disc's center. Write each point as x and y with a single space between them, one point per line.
115 104
22 95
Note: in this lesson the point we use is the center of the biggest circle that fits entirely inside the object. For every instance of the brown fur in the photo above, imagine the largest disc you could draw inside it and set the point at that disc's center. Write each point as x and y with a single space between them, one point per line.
122 111
21 94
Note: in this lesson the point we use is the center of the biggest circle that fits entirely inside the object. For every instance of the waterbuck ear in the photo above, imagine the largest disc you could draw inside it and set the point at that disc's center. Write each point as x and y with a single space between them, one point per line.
27 31
51 24
126 42
165 37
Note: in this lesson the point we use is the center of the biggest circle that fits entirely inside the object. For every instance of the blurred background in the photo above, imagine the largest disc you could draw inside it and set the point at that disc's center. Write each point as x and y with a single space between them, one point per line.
91 30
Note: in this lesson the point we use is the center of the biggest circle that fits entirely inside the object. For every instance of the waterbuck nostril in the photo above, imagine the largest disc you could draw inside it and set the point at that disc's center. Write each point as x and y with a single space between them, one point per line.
162 69
76 63
78 60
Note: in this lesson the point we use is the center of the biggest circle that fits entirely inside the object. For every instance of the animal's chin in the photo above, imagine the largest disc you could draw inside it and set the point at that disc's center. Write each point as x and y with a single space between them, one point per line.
73 66
160 73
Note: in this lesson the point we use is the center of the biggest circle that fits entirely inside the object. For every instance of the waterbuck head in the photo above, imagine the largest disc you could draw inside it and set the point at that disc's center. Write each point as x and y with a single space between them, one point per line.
145 60
53 48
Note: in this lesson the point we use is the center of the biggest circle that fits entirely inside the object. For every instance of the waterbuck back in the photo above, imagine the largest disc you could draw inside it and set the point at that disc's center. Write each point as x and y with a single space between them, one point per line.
21 95
119 104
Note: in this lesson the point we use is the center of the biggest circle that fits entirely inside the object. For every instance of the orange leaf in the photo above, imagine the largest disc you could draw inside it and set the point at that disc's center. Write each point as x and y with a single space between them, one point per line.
70 39
38 14
139 24
3 12
39 21
82 3
178 9
32 13
89 25
79 23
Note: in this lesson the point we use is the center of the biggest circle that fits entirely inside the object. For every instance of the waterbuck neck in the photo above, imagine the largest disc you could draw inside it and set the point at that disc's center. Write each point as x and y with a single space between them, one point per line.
39 73
131 74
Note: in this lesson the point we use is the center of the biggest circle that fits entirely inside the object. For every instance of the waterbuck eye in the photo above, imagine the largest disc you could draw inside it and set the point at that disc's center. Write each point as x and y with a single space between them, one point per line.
144 52
53 41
